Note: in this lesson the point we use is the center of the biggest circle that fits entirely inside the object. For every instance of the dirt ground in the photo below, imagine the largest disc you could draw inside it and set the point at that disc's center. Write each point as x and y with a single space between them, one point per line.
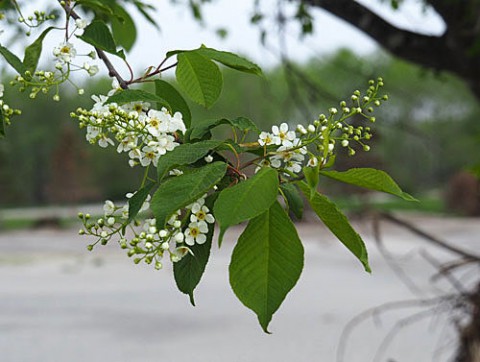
61 303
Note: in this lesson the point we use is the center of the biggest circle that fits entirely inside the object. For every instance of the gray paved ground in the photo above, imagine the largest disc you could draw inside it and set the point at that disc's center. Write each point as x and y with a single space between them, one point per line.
60 303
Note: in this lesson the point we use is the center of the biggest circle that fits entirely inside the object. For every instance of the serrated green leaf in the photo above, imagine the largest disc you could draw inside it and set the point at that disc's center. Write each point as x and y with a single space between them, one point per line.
168 92
246 200
294 200
34 50
241 123
189 270
231 60
369 178
177 192
338 224
266 263
13 60
136 201
98 35
184 154
199 77
137 95
123 28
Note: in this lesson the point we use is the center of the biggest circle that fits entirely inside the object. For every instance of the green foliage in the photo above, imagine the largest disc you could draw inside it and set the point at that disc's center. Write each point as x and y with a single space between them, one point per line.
13 60
136 201
176 193
98 35
166 91
246 200
123 28
184 154
338 224
189 270
369 178
199 77
266 263
293 199
202 129
136 95
34 50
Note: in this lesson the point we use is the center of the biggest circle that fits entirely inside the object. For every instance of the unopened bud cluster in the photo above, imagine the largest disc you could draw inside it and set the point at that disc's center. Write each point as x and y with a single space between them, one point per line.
6 111
286 149
145 241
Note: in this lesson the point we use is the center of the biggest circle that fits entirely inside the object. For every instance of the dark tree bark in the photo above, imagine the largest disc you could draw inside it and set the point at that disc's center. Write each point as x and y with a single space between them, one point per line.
456 51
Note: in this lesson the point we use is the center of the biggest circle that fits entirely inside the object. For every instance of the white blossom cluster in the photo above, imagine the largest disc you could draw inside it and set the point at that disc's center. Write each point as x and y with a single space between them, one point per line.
65 53
184 229
145 134
290 152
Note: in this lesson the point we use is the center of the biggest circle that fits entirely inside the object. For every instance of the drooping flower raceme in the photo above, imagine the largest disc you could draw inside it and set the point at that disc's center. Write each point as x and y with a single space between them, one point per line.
142 132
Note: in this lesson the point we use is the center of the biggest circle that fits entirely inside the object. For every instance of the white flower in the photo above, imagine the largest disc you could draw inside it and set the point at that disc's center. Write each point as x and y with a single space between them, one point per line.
92 70
127 144
157 122
286 137
293 166
81 23
200 213
104 141
208 159
312 162
109 208
176 123
195 233
265 139
2 88
65 52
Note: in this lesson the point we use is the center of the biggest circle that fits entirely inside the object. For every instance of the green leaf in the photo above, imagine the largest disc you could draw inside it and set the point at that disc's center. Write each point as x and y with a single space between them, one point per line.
136 95
294 200
141 9
98 35
266 263
369 178
123 28
96 5
312 178
199 77
241 123
246 200
34 50
13 60
231 60
177 192
137 200
168 92
189 270
184 154
2 125
338 224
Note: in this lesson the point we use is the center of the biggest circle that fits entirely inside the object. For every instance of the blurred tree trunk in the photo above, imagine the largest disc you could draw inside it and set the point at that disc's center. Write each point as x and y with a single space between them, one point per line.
457 50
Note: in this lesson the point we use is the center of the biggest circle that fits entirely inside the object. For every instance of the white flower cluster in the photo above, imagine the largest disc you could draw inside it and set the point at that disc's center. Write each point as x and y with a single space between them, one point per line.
290 152
185 228
144 133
